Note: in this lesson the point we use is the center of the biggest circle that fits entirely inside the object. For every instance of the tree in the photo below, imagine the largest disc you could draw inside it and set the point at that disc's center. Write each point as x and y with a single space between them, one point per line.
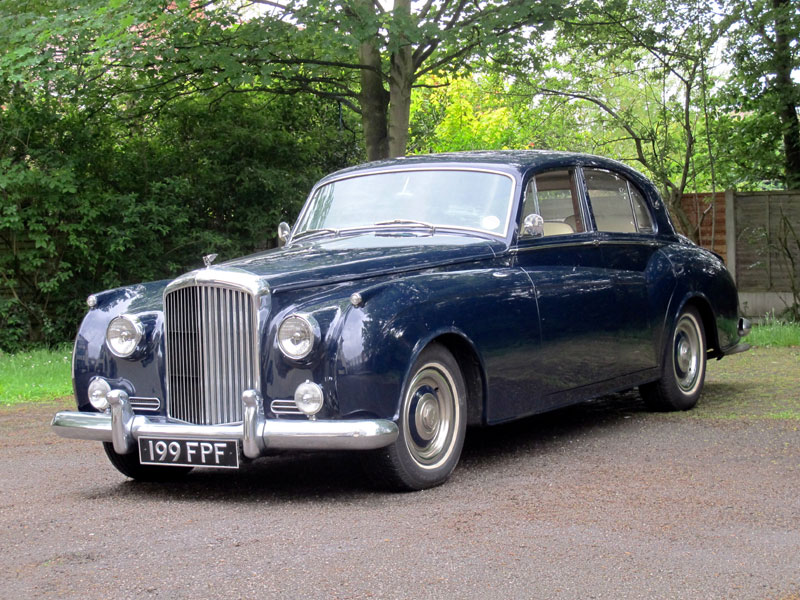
765 48
136 56
643 65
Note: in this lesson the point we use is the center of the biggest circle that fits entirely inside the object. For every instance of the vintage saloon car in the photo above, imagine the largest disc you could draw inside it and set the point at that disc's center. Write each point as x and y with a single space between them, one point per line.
412 298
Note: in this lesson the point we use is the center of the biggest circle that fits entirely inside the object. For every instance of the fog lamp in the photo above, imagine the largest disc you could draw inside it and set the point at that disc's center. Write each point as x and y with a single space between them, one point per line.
309 397
98 394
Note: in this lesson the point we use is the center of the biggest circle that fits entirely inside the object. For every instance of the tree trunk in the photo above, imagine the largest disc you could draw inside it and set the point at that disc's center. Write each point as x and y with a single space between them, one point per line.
785 88
400 80
374 102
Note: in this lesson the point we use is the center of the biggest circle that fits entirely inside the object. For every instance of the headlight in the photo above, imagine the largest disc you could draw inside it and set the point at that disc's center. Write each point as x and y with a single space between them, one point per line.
297 335
98 393
309 397
123 335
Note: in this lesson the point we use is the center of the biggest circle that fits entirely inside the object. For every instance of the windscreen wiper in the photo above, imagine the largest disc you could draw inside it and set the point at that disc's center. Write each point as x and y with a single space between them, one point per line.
315 232
407 222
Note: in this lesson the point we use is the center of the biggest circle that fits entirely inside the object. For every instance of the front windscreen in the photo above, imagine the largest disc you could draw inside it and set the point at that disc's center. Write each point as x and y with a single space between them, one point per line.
460 199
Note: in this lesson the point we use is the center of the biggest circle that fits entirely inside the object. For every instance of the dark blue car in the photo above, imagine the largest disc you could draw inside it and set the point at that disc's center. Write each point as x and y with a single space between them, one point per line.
413 297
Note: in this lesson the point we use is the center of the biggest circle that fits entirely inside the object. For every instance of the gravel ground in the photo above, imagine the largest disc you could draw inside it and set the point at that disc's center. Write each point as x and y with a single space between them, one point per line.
603 500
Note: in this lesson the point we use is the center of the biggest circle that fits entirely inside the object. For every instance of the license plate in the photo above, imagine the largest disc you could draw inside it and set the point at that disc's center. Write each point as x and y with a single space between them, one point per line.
223 454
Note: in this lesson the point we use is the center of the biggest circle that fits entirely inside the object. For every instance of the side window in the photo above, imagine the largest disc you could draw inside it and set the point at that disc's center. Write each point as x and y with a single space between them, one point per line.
554 196
644 222
616 204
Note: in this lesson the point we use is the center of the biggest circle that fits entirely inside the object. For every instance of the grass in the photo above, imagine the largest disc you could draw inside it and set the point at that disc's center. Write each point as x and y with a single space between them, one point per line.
762 384
38 375
773 333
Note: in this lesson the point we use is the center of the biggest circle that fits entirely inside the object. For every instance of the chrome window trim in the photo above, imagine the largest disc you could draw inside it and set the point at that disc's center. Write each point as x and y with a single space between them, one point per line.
560 244
407 169
653 226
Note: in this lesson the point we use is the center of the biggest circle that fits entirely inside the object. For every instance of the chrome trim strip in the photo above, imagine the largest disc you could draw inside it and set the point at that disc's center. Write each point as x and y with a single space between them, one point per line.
142 403
594 241
618 242
257 434
284 407
547 246
222 276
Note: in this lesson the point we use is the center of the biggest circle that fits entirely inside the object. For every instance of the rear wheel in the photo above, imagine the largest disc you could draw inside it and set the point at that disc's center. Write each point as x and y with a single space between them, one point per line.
432 426
683 366
129 465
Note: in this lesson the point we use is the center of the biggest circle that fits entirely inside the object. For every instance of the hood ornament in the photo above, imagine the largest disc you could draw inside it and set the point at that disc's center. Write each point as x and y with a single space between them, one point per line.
208 259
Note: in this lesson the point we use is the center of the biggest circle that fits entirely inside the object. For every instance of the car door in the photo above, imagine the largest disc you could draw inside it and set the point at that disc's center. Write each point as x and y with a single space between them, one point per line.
625 232
576 296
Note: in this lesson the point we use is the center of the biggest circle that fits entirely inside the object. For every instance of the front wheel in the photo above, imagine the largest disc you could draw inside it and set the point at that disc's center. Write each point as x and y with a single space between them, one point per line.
129 465
432 424
683 367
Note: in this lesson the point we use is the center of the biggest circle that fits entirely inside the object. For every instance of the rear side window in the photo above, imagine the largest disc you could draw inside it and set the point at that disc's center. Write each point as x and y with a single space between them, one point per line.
616 204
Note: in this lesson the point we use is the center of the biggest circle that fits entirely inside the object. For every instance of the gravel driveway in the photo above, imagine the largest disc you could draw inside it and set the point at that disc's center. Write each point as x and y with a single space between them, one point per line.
603 500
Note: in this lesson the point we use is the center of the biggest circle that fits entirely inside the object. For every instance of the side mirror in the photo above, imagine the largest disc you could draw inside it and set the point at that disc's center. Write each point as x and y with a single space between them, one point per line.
533 226
283 233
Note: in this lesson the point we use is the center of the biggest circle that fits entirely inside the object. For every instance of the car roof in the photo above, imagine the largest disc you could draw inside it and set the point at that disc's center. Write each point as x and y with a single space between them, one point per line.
516 161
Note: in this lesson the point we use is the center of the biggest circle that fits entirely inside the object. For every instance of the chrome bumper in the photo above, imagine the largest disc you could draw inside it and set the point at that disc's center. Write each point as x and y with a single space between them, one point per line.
257 434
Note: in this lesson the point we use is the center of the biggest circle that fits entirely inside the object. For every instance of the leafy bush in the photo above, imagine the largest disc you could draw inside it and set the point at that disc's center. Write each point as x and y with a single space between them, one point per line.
89 202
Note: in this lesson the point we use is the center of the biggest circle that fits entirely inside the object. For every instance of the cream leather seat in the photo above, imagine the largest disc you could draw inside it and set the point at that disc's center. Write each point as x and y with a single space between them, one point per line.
556 228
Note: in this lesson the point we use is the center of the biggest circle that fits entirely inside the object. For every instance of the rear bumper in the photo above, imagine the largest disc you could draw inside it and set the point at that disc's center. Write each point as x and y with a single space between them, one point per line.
256 434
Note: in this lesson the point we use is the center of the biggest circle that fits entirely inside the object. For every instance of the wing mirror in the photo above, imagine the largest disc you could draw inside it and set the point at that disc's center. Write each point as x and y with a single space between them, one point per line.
283 233
533 226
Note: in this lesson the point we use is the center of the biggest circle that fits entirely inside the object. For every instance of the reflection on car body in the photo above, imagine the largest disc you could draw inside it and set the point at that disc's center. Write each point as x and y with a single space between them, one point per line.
413 297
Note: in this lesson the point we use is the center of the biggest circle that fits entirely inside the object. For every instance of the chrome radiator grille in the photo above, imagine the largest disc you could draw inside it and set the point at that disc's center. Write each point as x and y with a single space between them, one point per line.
211 353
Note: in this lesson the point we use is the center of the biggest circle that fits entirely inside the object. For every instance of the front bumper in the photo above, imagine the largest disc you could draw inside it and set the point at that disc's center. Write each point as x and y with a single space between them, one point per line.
257 434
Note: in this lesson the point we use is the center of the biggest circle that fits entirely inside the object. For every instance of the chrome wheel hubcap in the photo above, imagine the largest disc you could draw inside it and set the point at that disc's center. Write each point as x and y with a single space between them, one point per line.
426 417
431 416
688 353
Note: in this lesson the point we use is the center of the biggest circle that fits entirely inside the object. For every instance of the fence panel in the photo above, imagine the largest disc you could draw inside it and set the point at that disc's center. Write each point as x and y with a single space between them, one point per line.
765 223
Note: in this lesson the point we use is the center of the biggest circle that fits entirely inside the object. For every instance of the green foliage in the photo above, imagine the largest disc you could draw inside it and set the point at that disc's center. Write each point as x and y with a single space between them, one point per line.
91 202
467 114
764 47
135 57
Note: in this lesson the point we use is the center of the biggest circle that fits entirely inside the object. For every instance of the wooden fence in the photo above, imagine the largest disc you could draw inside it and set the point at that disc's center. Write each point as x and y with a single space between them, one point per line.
757 234
712 218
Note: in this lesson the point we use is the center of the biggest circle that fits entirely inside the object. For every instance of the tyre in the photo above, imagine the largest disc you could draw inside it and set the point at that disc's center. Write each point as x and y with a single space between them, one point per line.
683 366
129 465
432 424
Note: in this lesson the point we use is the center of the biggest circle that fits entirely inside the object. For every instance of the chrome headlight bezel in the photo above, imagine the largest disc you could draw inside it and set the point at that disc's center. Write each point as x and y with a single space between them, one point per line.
297 327
126 347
